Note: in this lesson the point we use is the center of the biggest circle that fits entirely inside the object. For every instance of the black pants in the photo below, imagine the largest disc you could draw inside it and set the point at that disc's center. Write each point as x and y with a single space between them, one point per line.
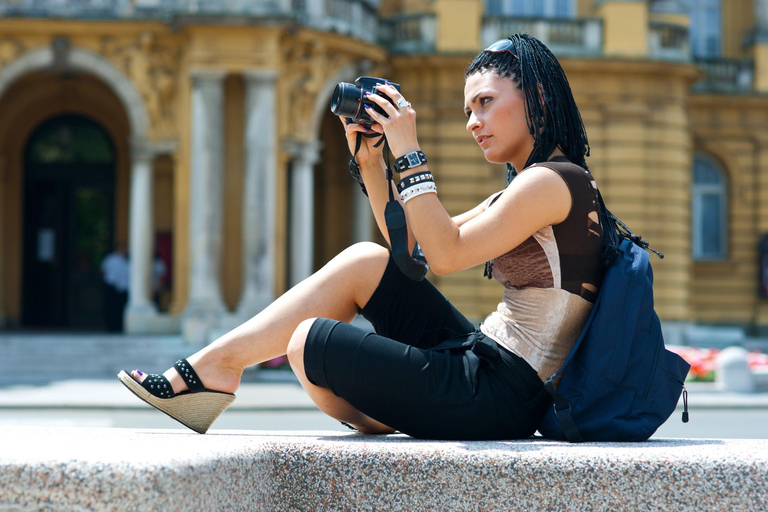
427 371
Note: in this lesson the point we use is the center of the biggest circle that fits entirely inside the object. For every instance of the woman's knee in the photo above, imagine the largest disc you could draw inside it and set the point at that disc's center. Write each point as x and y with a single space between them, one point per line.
295 351
365 254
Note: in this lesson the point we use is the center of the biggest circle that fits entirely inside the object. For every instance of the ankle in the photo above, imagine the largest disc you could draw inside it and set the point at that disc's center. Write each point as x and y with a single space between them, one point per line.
216 373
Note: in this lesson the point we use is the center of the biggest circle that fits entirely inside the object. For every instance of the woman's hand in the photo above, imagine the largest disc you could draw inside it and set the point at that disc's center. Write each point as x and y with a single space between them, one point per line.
400 123
367 153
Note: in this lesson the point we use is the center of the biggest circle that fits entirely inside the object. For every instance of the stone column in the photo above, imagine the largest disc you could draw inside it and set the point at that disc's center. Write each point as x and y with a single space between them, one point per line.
259 192
205 305
3 248
305 156
363 222
625 28
140 310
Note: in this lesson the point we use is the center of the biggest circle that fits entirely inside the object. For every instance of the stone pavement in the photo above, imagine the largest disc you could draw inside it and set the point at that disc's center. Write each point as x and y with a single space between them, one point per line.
111 394
271 390
70 380
275 401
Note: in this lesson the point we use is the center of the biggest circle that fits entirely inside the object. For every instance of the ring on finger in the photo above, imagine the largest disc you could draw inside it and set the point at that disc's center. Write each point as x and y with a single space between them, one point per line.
402 102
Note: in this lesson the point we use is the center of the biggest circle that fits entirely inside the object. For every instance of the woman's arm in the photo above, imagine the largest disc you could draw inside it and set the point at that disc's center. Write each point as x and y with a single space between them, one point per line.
474 212
373 172
536 198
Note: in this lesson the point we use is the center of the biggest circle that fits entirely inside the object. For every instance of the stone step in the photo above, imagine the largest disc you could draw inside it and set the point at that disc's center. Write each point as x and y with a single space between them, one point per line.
41 358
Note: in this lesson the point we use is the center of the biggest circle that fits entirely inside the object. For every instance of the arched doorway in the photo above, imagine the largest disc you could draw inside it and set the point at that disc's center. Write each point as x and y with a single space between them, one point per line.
69 194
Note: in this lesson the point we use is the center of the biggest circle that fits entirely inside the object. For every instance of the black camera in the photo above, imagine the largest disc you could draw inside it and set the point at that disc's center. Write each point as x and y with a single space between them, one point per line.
349 99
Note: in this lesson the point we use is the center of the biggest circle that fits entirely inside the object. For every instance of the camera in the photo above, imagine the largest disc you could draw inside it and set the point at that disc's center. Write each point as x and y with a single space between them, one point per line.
349 99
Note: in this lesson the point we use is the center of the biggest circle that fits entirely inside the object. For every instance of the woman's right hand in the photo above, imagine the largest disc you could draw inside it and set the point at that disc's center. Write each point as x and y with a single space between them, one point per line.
367 153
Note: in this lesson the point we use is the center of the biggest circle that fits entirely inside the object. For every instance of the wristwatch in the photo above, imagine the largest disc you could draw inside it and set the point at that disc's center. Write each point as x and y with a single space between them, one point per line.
410 160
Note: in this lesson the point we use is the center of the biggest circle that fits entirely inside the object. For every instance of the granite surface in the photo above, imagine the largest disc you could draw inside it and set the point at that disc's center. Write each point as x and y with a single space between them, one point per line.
83 469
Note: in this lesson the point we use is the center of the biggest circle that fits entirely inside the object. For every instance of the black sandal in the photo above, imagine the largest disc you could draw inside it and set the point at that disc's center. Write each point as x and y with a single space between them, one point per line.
196 408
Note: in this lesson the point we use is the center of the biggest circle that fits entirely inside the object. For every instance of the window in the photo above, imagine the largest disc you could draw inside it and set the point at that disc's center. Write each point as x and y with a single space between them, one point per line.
709 207
532 8
705 27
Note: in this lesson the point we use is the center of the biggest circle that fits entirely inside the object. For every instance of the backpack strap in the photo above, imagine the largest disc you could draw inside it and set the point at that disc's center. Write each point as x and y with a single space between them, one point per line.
563 412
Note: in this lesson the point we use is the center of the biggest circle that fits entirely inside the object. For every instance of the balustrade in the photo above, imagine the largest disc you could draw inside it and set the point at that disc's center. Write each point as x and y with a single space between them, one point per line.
565 37
726 76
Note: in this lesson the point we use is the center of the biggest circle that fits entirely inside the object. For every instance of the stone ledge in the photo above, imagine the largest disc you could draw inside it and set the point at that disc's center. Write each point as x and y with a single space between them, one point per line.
52 469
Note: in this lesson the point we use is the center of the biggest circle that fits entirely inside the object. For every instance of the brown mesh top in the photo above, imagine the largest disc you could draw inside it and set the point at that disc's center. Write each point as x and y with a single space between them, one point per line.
551 279
565 255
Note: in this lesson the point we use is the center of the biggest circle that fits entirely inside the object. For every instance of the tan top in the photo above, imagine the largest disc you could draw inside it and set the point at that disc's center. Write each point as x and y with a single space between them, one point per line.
551 280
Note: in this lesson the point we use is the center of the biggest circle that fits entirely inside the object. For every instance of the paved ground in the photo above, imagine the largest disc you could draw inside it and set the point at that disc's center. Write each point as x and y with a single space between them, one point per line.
276 402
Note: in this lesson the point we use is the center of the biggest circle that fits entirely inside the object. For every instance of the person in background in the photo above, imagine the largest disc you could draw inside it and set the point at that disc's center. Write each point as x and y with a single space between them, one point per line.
115 268
159 271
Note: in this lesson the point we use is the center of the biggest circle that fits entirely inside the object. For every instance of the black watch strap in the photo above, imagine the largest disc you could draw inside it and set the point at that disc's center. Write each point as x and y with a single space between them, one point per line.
410 160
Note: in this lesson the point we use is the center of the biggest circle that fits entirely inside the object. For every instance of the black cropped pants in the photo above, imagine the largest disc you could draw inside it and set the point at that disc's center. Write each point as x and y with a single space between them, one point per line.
426 371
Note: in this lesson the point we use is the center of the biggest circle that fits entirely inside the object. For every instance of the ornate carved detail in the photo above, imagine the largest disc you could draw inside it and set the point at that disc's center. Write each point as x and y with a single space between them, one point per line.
310 66
60 46
10 50
153 69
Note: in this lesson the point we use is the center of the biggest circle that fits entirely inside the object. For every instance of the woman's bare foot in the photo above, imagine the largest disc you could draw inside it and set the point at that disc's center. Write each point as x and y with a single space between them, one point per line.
214 375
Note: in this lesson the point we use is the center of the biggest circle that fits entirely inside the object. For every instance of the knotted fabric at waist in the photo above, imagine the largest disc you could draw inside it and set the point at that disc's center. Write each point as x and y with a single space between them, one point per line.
538 324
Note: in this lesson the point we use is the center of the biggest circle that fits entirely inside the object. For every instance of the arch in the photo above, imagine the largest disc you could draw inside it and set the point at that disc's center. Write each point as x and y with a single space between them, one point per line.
91 63
342 214
347 73
721 155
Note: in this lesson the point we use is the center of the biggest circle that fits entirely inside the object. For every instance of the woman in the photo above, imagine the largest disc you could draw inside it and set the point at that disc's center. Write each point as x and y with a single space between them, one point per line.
428 371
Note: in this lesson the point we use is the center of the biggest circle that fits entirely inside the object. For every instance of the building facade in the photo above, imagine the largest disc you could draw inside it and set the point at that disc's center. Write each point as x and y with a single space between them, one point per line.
199 133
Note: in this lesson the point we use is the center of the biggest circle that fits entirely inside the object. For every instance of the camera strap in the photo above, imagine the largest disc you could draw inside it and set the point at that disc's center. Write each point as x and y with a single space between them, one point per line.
414 266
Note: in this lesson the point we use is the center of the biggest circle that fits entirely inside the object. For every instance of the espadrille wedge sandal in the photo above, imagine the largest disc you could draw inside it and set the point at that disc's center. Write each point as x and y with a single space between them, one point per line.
196 408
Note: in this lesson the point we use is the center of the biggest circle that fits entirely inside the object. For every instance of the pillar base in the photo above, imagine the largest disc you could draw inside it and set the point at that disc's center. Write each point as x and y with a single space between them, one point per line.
199 321
250 307
147 320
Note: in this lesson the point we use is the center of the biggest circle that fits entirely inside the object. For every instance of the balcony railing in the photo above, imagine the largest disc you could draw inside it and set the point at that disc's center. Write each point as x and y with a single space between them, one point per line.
668 42
357 18
410 33
731 76
581 37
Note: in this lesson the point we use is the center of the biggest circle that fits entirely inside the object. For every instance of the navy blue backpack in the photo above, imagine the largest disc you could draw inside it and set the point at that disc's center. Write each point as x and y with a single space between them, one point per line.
619 382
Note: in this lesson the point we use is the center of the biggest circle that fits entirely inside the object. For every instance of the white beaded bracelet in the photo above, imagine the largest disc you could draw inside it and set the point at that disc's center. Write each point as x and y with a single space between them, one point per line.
417 190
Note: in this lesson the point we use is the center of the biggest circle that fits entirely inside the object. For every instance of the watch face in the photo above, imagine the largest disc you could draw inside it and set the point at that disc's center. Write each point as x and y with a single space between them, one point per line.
413 159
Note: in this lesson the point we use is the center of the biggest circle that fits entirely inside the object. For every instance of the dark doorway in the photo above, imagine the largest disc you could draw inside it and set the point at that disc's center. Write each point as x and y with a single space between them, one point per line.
69 191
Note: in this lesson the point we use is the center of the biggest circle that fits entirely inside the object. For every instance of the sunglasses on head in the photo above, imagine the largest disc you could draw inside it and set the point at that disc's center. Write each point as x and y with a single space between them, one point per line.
502 45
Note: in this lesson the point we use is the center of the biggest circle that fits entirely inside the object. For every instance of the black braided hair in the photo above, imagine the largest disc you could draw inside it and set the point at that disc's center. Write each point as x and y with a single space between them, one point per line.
553 120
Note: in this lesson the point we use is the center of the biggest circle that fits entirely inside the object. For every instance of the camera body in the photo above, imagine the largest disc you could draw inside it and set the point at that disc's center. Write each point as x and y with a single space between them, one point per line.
349 100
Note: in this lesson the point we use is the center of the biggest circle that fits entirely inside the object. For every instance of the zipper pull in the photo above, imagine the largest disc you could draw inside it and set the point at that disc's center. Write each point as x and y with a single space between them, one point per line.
685 405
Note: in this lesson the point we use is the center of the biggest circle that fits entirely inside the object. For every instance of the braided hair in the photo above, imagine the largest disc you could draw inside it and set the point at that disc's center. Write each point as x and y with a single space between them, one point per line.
553 120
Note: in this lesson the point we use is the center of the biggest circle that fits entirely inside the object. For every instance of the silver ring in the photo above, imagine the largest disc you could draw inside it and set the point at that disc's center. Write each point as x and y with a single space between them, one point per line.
403 103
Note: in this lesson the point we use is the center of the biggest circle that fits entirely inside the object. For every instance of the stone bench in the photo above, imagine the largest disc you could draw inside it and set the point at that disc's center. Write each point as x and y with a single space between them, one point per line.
79 469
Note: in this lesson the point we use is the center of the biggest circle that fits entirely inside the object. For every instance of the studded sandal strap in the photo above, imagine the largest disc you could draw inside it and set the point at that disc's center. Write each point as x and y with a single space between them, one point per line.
158 386
189 375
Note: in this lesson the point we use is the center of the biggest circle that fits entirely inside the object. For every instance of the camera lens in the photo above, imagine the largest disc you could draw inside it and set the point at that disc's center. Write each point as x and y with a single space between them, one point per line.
346 100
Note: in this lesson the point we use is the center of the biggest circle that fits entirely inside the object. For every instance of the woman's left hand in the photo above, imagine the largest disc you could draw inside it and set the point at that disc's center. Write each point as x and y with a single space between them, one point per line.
400 125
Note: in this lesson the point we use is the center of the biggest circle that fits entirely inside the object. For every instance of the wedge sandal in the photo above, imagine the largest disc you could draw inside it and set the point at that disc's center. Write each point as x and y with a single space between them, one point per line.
196 408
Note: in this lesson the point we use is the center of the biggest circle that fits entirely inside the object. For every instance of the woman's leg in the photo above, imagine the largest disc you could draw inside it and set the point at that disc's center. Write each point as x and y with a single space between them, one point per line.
332 405
335 291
